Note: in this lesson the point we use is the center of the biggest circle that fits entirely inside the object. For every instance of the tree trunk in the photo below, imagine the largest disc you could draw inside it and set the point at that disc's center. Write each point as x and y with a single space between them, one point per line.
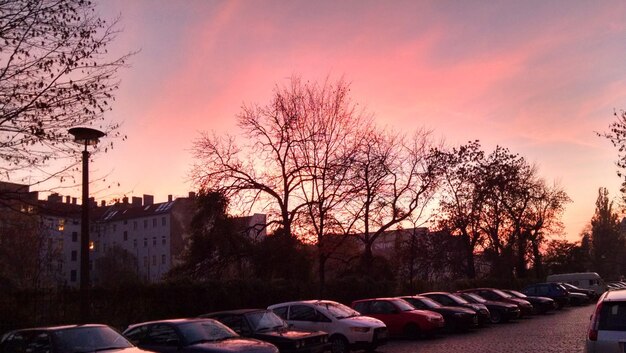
470 270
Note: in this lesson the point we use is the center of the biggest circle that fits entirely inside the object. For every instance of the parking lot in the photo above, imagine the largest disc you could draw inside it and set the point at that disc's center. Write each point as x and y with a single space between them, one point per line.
560 332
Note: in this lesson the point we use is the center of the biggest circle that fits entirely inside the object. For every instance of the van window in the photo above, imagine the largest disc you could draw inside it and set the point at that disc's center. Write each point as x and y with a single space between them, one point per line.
613 316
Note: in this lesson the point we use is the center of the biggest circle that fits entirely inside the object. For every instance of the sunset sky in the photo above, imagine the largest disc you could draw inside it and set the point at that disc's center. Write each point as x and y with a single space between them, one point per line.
538 77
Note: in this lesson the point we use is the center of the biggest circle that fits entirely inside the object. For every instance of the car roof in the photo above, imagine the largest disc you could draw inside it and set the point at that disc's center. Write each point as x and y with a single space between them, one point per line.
371 299
58 328
169 321
615 295
310 302
443 293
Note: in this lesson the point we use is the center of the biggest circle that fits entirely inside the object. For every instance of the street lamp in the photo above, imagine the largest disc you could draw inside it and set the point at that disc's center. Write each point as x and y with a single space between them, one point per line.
87 137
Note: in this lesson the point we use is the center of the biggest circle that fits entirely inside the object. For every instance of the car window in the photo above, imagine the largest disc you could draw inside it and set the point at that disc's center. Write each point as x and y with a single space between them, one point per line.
613 316
362 307
236 322
162 335
542 289
382 307
302 313
281 311
444 300
15 343
137 335
27 342
530 290
416 303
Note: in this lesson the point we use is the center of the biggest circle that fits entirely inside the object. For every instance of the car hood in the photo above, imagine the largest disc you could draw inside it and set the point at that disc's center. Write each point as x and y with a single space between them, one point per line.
541 299
500 304
236 345
126 350
364 321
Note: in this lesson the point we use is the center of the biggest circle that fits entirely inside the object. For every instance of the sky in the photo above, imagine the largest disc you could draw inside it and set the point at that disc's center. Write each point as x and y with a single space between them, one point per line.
538 77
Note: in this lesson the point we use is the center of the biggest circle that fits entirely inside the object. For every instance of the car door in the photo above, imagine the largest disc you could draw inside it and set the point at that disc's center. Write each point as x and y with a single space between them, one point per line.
303 317
386 312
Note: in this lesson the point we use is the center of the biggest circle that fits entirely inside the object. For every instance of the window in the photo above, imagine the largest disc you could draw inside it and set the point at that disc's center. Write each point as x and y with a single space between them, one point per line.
135 225
145 261
145 223
163 259
74 236
73 276
125 235
154 222
153 260
302 313
163 222
74 255
145 242
382 307
163 240
114 227
90 265
613 316
134 243
153 241
281 311
125 222
162 335
137 334
61 225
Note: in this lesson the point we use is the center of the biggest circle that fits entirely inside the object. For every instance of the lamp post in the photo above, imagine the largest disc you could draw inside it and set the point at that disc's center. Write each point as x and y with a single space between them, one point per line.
87 137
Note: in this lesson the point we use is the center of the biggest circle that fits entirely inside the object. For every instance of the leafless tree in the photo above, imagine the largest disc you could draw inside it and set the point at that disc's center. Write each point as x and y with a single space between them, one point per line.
54 74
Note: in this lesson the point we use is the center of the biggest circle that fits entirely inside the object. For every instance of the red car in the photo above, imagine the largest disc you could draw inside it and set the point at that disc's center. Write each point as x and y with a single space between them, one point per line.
401 318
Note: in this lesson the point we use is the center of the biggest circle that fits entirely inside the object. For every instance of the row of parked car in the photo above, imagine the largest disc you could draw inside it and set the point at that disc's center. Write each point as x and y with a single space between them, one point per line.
311 326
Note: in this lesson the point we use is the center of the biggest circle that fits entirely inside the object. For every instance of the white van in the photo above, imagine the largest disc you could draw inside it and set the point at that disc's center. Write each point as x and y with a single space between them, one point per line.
587 280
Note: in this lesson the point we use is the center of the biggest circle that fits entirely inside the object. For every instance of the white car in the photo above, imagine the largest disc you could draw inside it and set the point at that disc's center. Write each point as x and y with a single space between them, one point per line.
347 329
607 329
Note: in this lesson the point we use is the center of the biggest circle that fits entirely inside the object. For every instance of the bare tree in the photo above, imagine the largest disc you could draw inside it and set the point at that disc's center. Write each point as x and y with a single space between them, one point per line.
54 74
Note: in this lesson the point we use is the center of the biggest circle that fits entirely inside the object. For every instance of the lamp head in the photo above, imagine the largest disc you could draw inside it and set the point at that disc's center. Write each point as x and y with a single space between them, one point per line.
85 135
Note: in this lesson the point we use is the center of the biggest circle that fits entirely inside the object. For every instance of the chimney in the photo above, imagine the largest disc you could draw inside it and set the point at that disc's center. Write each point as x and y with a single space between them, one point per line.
103 203
192 195
67 199
74 200
92 202
169 198
136 201
148 200
125 200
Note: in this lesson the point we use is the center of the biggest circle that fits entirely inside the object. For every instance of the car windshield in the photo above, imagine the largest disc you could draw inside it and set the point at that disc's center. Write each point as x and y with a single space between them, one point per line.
517 294
264 320
429 303
205 330
502 294
89 339
477 298
402 305
569 286
458 299
339 311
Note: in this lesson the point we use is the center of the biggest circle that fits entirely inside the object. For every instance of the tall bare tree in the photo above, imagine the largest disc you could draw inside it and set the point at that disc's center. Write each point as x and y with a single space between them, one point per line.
55 74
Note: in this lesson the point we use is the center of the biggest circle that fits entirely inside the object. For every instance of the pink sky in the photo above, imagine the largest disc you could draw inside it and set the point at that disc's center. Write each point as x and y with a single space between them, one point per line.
538 77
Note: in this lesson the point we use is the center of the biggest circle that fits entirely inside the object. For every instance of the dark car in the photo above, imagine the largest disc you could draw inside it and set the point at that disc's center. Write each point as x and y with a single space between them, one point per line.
576 299
590 293
66 339
193 335
456 318
499 311
549 290
400 317
497 295
263 324
449 299
541 305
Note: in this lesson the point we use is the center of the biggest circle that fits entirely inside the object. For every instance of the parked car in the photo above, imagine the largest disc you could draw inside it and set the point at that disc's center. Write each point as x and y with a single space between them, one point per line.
455 318
607 328
549 290
401 318
263 324
66 339
192 335
541 305
615 285
449 299
586 280
591 294
499 312
497 295
576 299
347 328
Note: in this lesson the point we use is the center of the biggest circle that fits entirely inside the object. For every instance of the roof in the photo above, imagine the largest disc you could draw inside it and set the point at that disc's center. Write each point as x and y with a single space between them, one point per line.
57 328
615 295
170 321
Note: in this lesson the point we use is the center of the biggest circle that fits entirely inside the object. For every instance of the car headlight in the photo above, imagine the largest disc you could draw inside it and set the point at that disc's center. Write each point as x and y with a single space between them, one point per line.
360 329
324 339
299 344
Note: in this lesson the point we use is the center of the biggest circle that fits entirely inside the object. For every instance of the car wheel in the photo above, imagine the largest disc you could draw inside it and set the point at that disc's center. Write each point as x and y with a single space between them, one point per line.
412 331
495 317
338 344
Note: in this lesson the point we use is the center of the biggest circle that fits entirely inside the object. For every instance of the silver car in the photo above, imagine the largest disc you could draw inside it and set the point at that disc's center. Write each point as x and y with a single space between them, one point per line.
607 329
